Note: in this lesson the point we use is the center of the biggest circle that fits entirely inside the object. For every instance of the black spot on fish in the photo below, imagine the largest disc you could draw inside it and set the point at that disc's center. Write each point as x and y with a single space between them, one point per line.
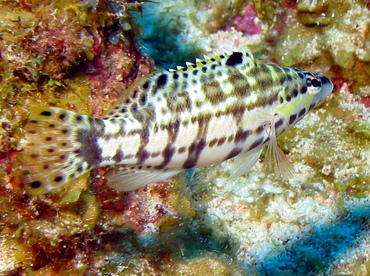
65 131
79 118
162 80
176 76
302 112
146 84
51 150
35 184
195 72
204 69
46 167
48 138
292 118
62 116
45 113
311 106
143 99
235 59
58 179
295 93
303 89
133 95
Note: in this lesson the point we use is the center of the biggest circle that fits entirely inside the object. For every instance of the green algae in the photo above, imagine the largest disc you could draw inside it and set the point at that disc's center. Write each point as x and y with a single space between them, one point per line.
360 129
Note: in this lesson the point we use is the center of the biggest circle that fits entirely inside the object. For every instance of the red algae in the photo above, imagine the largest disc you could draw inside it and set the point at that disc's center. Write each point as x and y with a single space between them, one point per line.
247 21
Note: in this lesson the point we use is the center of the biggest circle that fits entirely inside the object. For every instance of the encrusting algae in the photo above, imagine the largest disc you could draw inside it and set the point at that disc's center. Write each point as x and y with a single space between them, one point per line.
315 223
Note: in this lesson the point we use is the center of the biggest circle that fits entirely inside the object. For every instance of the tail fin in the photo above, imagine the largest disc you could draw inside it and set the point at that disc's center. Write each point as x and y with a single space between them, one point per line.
60 146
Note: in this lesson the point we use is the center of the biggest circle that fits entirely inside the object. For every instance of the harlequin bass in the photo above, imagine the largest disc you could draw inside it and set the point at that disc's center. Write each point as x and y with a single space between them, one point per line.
222 107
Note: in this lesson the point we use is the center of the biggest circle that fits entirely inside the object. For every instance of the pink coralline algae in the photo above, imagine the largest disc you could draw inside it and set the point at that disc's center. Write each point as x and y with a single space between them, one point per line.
247 22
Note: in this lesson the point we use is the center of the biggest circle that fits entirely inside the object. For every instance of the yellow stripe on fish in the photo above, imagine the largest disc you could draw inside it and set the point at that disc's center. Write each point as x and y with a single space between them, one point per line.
223 107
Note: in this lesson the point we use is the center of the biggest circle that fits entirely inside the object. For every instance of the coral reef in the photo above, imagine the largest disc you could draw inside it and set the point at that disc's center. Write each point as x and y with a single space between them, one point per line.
81 55
174 31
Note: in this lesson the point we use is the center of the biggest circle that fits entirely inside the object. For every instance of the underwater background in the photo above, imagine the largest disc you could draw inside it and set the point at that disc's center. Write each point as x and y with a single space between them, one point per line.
82 55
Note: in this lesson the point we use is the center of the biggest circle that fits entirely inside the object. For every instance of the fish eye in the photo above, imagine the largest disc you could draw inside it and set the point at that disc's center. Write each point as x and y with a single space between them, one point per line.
313 85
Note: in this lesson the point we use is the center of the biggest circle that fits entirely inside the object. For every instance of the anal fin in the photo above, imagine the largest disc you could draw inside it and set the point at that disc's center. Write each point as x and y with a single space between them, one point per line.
244 162
124 178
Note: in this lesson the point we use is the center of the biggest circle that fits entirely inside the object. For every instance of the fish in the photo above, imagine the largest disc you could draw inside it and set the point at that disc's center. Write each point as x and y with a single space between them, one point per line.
223 107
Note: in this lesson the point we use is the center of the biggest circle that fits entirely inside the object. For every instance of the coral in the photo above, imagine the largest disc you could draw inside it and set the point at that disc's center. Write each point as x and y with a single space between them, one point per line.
339 29
247 22
51 53
172 29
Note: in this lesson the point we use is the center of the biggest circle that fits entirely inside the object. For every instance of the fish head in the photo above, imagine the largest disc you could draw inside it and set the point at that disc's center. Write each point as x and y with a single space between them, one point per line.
305 91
